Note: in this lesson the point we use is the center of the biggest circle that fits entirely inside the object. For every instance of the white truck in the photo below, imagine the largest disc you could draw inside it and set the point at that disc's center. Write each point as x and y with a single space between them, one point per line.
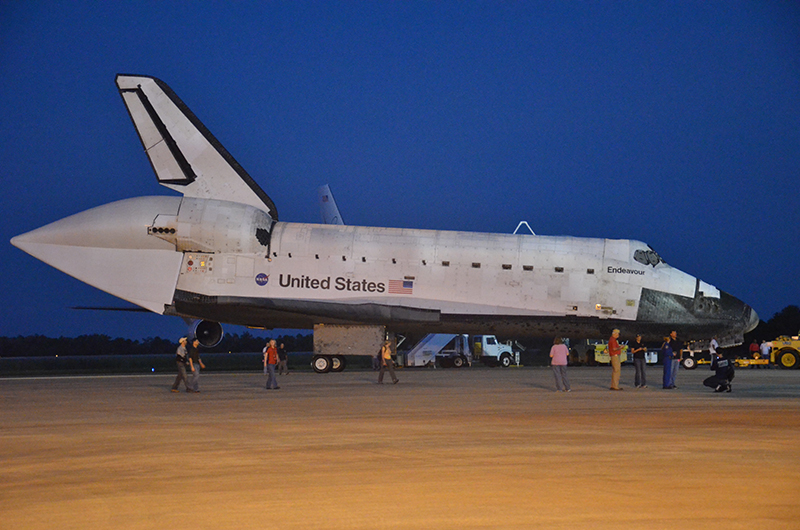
458 350
488 350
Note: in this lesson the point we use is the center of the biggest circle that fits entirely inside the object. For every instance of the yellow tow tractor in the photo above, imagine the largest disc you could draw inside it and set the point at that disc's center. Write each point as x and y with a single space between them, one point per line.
786 351
601 353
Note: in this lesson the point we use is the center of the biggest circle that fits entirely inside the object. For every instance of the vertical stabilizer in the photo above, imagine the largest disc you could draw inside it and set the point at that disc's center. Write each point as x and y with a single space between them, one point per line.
327 207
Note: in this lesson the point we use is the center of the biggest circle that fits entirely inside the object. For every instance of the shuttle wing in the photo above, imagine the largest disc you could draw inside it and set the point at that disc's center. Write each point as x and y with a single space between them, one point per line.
184 154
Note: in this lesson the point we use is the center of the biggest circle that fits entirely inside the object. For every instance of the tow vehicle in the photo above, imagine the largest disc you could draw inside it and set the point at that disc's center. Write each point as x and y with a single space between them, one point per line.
695 353
601 352
597 353
786 351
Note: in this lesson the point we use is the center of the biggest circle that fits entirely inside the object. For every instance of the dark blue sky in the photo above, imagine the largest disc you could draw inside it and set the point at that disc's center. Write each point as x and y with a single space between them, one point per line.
676 123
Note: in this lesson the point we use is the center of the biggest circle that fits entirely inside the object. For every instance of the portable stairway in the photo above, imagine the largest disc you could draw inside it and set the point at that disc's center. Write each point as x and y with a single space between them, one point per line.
425 351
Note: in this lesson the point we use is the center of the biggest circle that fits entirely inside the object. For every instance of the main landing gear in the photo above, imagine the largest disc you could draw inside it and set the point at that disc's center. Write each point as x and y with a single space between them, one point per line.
323 364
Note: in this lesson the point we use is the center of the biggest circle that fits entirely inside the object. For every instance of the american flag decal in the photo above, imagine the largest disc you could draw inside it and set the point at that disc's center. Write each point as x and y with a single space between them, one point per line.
401 287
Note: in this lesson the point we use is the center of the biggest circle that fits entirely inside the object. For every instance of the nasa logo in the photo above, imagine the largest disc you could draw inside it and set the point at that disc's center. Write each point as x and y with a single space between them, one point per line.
262 279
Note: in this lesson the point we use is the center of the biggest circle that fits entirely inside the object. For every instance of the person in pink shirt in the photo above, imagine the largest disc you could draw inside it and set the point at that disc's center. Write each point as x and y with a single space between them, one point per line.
559 354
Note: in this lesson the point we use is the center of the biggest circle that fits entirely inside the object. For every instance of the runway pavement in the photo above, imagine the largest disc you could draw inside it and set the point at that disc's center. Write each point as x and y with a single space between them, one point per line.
443 449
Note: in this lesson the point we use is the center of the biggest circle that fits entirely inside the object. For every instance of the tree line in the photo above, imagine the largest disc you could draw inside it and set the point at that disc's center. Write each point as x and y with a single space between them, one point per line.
41 346
785 322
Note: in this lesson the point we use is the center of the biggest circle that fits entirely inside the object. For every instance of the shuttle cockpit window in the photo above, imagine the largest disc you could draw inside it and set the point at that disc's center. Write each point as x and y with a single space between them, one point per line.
647 257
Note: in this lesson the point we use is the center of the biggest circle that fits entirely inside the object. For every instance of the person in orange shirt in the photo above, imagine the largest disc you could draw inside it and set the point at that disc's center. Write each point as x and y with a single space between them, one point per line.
387 363
270 360
614 351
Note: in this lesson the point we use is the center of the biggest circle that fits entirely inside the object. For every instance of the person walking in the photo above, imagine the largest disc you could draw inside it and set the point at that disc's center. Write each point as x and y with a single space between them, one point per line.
195 363
614 352
270 360
283 360
387 363
638 349
376 361
180 360
559 353
677 351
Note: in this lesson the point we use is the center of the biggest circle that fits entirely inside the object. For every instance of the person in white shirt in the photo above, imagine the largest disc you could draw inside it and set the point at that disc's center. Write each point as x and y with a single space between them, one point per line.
766 348
712 347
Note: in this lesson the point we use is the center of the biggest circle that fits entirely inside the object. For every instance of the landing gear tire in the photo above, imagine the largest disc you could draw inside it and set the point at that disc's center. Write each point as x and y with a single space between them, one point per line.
338 363
689 363
787 358
505 360
321 364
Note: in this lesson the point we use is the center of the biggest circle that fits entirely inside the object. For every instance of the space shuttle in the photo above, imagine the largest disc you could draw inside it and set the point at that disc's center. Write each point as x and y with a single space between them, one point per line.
218 253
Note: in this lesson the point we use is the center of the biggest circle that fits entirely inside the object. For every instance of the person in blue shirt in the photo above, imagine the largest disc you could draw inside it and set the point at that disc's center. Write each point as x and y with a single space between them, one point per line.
723 374
666 356
677 350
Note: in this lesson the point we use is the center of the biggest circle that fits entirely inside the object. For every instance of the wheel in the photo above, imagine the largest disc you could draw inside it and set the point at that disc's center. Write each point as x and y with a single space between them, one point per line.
689 363
458 362
321 364
787 358
338 363
505 360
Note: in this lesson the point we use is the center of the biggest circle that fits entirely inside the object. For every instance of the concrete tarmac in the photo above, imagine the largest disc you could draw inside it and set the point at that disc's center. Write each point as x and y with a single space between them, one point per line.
443 449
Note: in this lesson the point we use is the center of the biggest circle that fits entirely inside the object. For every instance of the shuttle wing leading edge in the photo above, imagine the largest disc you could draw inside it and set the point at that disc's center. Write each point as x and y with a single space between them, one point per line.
184 154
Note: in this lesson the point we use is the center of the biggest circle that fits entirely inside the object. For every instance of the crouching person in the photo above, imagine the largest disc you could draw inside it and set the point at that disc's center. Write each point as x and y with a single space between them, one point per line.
723 374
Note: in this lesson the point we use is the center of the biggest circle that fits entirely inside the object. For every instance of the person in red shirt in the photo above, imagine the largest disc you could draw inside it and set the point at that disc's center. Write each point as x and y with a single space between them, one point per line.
270 360
614 351
755 351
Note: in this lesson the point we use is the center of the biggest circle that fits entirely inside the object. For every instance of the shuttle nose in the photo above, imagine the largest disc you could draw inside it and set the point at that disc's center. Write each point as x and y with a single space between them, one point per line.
32 241
20 241
741 316
118 225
